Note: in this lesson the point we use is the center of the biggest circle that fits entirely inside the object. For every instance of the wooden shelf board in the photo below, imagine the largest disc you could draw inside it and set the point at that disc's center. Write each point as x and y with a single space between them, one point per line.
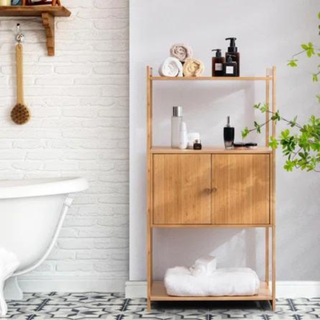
33 11
158 293
158 78
210 150
185 226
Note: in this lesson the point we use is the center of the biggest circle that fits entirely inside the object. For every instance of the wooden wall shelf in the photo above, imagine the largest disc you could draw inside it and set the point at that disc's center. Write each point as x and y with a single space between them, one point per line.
47 13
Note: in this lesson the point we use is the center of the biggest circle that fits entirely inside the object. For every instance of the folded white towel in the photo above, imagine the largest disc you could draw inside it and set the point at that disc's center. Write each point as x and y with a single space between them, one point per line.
180 282
171 67
8 265
204 266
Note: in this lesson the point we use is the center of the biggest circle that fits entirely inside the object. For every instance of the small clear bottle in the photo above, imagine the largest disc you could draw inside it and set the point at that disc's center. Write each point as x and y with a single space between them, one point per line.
176 121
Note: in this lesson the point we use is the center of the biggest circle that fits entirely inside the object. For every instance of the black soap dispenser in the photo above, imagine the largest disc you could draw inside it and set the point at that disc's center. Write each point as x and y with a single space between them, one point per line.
233 53
217 64
228 135
230 68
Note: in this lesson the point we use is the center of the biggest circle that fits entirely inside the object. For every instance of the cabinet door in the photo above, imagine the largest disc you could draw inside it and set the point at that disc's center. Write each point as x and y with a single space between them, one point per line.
241 189
181 189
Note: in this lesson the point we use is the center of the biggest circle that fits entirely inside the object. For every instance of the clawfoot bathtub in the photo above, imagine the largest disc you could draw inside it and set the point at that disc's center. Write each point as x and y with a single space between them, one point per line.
31 216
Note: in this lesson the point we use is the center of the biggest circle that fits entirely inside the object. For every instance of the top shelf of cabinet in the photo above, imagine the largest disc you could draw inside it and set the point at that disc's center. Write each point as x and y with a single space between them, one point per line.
33 11
157 78
211 150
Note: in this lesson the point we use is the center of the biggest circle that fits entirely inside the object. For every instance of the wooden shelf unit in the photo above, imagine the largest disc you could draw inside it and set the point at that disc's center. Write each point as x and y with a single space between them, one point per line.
212 212
47 13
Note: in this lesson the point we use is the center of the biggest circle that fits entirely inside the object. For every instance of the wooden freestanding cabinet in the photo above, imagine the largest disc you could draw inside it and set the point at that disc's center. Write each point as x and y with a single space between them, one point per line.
212 188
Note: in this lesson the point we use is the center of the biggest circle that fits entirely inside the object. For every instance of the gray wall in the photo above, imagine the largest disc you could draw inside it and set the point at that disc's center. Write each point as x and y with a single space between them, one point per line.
268 32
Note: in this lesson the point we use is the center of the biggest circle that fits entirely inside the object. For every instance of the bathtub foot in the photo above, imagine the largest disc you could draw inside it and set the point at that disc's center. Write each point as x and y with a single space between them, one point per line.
12 290
3 304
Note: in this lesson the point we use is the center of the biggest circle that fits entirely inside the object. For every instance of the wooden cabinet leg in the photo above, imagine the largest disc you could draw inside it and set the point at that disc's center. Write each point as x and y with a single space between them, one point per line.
267 257
148 304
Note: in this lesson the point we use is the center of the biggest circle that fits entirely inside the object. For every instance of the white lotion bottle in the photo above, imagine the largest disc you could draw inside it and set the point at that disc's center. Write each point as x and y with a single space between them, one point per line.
183 143
176 121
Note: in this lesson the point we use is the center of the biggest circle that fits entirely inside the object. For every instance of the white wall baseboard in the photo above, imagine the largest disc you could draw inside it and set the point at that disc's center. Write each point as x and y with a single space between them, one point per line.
285 289
70 284
136 289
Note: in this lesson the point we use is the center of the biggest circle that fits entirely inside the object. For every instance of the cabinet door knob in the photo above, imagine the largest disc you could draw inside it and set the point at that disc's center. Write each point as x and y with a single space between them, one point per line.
214 189
208 191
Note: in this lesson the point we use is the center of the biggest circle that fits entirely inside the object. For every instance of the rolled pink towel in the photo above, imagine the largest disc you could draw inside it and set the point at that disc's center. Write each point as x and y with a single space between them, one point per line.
181 51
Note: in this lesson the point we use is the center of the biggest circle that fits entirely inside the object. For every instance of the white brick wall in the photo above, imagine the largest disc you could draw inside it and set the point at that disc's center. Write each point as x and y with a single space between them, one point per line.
79 126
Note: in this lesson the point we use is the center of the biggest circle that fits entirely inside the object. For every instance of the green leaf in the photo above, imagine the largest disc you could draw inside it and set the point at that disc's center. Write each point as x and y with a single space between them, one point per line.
319 15
293 122
315 77
264 108
289 165
318 97
292 63
276 116
273 143
257 106
309 48
245 132
257 126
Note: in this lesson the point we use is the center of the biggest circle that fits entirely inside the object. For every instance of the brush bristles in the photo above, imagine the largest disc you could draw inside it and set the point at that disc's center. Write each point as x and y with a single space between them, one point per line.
20 114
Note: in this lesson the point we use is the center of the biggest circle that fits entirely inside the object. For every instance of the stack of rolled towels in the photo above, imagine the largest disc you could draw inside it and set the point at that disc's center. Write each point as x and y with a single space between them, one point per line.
181 63
204 279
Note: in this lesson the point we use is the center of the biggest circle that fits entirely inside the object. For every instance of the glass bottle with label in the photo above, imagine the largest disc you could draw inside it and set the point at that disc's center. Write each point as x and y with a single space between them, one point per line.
217 64
230 68
176 121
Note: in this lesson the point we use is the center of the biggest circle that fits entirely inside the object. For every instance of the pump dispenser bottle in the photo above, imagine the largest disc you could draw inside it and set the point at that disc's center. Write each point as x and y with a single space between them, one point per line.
217 64
230 68
228 135
233 52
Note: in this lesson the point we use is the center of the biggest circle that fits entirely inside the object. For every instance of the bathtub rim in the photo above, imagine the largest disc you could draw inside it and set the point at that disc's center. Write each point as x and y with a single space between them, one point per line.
41 187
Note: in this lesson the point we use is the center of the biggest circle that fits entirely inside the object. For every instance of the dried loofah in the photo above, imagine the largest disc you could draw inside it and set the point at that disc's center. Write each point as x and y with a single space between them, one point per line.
193 68
20 114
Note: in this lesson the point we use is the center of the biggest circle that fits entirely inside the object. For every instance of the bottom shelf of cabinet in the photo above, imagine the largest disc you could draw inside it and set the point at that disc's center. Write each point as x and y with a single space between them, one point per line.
158 293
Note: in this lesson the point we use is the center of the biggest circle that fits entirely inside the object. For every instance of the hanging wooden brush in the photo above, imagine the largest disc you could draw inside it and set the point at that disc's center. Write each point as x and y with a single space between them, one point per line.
20 114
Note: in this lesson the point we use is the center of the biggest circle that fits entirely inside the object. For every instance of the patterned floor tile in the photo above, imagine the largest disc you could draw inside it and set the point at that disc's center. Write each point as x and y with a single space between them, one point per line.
114 306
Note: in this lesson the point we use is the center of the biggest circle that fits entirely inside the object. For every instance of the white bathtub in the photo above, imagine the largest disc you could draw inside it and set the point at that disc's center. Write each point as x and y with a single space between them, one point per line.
31 216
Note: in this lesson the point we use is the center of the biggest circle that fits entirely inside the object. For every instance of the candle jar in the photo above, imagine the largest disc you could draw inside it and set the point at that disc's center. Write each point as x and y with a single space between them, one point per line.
5 2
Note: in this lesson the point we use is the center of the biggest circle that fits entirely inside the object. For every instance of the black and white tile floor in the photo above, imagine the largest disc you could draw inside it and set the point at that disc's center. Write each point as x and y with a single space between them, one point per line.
114 306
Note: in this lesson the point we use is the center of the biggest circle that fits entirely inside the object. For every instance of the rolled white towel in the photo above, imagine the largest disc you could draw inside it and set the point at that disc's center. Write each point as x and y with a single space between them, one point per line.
204 266
181 51
8 265
171 67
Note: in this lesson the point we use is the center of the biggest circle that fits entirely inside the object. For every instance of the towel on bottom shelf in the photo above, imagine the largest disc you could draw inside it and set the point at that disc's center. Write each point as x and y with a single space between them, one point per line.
180 282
